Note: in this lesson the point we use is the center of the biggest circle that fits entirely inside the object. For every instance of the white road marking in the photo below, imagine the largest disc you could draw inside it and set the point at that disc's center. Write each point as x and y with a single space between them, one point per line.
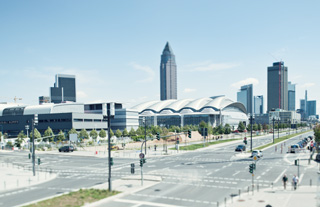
144 203
278 178
300 179
209 173
236 173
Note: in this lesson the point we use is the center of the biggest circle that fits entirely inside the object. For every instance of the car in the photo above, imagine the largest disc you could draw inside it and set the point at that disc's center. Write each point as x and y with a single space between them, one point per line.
66 149
257 153
240 148
294 148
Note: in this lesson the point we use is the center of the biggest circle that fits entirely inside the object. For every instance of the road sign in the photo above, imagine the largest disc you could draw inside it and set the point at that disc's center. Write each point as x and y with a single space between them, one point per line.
141 155
255 158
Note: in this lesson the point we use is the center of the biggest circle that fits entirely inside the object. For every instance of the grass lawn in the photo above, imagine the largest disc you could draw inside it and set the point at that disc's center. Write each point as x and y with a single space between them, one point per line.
75 199
277 140
197 146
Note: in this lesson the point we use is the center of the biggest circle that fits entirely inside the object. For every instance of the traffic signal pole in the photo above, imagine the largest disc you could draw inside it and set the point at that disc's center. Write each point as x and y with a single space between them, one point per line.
33 151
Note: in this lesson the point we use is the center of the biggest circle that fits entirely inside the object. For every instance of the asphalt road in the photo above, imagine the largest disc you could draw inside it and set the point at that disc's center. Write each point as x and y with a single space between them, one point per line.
199 178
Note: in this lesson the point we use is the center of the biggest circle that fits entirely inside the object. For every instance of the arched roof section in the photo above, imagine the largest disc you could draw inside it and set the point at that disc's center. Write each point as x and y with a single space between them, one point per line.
38 109
198 103
238 105
179 104
160 105
143 106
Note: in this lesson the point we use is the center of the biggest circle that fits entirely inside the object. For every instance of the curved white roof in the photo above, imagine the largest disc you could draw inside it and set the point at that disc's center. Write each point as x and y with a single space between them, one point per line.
188 105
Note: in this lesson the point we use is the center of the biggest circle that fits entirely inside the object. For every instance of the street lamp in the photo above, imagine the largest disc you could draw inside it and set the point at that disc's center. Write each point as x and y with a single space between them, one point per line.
278 126
289 122
273 119
251 122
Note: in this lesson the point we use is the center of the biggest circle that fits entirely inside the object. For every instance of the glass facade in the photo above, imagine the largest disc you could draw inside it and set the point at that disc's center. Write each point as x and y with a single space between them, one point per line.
64 89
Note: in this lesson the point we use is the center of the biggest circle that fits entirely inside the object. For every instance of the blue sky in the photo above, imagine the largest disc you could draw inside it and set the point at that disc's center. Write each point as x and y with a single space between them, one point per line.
114 47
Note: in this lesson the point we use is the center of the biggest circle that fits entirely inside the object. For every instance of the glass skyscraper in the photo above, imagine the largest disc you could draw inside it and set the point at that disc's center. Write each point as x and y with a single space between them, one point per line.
258 104
278 86
64 89
245 96
168 74
291 97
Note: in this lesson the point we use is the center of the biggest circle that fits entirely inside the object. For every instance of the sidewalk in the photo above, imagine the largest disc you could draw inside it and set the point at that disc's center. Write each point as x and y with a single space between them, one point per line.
15 177
277 197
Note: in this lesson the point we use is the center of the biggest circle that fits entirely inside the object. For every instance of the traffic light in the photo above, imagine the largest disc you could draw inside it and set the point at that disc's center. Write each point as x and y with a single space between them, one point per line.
254 166
111 161
144 160
245 141
141 163
39 161
132 168
158 136
189 133
296 162
251 168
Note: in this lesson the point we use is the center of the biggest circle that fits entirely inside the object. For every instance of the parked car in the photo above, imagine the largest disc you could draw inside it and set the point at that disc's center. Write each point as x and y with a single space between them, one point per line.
257 153
240 148
294 148
66 149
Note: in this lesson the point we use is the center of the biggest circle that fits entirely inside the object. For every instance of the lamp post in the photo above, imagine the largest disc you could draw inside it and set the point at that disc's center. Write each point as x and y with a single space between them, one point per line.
273 119
27 128
251 122
278 126
145 135
289 122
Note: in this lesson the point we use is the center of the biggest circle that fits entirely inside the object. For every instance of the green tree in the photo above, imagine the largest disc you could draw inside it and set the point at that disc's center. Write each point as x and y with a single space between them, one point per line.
60 136
221 129
94 134
118 133
125 133
241 127
83 134
5 135
102 133
132 132
316 130
111 133
140 131
0 135
37 135
255 127
18 142
165 131
72 131
48 134
259 127
227 129
21 135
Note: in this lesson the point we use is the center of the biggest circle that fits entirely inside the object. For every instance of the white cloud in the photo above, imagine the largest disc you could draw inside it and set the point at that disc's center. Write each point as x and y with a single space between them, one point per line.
308 85
247 81
209 66
189 90
150 73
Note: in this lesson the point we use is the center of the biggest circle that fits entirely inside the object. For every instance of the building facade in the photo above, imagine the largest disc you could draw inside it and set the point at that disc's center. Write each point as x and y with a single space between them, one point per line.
214 110
64 89
277 86
312 108
291 96
44 99
245 96
168 74
258 104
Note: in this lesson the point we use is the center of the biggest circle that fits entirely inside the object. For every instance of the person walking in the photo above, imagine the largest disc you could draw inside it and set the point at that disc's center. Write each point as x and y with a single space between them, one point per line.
285 180
295 181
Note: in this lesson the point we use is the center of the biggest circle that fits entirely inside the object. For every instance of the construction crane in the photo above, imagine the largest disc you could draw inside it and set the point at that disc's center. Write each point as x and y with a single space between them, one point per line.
15 99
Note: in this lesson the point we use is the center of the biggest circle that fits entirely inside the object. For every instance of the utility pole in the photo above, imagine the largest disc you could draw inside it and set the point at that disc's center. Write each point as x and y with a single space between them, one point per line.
145 135
278 126
251 122
110 113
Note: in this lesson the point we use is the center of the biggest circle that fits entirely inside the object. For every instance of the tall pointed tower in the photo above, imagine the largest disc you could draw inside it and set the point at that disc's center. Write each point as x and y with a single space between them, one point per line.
168 74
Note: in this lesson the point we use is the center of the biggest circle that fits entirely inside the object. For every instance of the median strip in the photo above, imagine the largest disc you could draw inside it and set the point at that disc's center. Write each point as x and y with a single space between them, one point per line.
277 140
200 145
78 198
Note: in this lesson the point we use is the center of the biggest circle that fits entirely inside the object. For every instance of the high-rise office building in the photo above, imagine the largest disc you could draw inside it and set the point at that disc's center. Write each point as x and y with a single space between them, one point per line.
258 104
304 107
245 96
277 86
168 74
312 108
64 89
44 99
291 96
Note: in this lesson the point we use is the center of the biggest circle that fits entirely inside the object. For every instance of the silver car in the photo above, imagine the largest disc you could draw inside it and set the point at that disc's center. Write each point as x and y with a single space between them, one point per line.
257 153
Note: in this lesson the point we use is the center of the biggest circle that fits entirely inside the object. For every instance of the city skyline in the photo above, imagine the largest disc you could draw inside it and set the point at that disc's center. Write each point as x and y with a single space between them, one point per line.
98 49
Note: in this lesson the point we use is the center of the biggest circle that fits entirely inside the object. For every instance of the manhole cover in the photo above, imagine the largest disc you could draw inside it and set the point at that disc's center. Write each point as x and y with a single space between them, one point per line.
261 201
241 200
157 190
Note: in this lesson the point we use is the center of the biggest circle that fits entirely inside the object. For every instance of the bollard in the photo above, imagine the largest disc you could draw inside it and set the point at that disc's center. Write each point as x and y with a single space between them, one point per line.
239 193
225 201
248 189
231 198
258 188
272 186
309 161
310 182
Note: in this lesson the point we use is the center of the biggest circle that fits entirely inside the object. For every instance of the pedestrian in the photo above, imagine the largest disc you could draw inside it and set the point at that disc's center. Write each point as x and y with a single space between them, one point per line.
285 180
295 181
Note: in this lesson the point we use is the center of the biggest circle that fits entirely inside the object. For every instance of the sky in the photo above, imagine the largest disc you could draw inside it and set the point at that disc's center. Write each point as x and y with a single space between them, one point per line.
114 47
